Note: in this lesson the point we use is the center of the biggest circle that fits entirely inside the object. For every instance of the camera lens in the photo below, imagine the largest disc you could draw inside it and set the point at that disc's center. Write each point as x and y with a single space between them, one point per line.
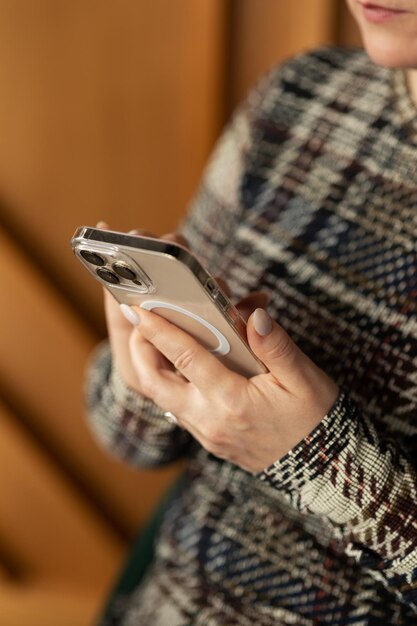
124 271
92 257
107 275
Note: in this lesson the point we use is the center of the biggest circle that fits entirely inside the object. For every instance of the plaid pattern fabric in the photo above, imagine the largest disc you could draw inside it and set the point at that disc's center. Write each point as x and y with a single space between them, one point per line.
311 194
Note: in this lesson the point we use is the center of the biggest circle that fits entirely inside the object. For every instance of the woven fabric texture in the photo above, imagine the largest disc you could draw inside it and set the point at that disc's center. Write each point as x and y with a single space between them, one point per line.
311 194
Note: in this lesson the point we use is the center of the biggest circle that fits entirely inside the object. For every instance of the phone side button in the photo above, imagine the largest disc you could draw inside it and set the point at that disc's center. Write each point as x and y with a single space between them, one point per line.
221 300
211 287
232 314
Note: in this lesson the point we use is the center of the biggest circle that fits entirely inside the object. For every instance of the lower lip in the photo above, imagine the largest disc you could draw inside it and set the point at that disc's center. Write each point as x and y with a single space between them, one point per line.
379 15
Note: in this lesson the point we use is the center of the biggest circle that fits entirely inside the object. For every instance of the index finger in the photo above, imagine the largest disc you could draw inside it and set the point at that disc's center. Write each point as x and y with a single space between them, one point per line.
194 362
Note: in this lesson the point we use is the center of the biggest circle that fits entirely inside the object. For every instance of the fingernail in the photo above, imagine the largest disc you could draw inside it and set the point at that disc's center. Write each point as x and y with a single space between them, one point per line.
102 224
262 323
130 314
134 231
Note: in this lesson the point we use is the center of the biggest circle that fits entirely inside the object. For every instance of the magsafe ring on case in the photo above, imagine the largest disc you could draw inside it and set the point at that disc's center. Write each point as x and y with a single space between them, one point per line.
215 341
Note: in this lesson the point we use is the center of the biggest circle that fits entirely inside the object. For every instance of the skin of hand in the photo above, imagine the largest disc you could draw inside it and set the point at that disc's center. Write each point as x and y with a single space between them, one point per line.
249 422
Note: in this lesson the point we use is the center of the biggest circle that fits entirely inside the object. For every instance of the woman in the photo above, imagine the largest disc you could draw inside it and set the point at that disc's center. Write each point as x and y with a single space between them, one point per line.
299 501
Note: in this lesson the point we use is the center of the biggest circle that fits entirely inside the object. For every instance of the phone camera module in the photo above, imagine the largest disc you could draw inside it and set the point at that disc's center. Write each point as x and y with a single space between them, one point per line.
107 275
124 271
92 257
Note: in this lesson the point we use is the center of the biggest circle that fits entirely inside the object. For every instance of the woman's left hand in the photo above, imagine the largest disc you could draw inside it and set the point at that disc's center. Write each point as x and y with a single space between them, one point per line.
249 422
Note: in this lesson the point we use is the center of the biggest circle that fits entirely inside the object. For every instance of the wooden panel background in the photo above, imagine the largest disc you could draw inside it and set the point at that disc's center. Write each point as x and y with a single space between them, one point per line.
107 111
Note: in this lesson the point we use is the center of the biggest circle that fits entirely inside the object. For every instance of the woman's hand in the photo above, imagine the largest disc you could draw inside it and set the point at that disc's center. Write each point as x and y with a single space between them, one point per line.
250 422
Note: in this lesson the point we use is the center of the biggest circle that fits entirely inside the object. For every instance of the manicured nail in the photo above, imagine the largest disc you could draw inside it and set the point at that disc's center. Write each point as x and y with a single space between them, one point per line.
130 314
102 224
262 323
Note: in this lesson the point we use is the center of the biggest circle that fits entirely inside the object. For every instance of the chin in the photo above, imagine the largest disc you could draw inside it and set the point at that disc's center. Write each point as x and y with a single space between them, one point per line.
391 53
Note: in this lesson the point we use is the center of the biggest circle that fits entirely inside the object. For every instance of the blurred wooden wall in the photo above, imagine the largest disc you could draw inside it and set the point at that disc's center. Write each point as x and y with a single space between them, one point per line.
108 110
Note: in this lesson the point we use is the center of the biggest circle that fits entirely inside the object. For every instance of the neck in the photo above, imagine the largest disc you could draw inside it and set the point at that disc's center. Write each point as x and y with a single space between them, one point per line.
412 84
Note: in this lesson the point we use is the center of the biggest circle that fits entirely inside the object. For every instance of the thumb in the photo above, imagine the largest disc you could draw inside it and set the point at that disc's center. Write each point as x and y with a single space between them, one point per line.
273 346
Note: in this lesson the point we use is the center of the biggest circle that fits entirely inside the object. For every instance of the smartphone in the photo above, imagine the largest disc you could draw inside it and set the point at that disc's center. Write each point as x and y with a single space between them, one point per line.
168 279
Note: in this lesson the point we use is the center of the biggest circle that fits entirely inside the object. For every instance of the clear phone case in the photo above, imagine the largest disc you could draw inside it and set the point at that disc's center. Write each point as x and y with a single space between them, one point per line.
166 278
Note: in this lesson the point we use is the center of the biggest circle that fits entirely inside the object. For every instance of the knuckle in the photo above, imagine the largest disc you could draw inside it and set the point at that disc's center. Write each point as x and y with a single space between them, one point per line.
135 341
282 348
148 387
234 410
184 359
233 401
215 438
149 332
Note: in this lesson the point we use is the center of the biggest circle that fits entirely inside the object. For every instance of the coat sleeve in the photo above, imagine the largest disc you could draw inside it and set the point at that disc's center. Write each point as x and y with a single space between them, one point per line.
361 485
126 424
